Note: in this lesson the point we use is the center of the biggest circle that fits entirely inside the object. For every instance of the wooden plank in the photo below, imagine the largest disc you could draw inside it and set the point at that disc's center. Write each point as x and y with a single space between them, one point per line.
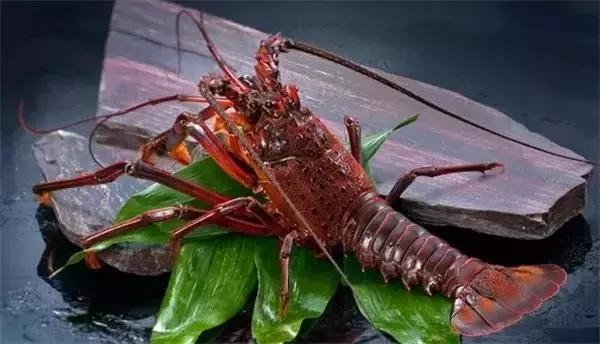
534 182
535 195
83 211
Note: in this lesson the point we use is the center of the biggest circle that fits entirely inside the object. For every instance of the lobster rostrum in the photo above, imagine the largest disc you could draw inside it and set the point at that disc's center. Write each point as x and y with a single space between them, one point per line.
264 138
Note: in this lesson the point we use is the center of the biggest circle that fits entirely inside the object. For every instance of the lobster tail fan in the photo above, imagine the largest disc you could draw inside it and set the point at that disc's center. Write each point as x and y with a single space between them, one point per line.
498 297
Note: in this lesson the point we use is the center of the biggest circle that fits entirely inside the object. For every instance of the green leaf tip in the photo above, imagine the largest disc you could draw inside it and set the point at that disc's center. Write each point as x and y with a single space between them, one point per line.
372 143
74 259
406 122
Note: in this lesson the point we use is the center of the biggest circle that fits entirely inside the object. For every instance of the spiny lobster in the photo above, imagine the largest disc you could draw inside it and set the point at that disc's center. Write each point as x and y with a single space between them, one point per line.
266 140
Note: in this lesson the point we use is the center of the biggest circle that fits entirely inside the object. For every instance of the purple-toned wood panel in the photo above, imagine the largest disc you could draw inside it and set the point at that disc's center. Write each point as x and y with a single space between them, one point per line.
535 195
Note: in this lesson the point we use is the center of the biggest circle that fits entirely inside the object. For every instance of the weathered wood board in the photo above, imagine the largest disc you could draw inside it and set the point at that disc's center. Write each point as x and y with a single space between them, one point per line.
84 210
534 196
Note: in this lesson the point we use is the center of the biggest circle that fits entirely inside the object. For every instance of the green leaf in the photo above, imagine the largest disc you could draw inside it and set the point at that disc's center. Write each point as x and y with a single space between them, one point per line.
312 284
409 317
371 144
210 282
74 259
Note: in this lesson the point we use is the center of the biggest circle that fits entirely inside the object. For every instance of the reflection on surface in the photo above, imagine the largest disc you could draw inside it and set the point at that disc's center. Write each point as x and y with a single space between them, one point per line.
118 304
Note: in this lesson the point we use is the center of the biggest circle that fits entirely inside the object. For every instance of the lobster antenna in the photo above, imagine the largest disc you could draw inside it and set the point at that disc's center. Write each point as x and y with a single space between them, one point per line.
211 48
178 35
260 164
38 132
103 118
312 50
91 137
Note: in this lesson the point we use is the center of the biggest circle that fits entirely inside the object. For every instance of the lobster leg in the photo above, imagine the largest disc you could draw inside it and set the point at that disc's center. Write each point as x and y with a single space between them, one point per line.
160 215
173 138
138 169
434 171
168 213
188 124
144 219
148 149
284 262
246 205
353 129
201 133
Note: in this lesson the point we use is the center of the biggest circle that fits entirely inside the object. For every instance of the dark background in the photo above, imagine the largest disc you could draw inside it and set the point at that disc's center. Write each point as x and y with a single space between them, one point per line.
537 62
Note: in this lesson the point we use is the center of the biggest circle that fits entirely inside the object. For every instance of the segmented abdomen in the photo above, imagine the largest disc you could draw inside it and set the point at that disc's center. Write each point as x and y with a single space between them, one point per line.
487 298
382 238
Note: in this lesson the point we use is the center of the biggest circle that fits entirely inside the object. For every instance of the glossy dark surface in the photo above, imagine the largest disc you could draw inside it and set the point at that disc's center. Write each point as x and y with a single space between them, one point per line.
536 62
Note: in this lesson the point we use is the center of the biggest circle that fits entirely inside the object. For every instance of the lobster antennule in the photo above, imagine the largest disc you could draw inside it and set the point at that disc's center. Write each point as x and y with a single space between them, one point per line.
498 297
227 70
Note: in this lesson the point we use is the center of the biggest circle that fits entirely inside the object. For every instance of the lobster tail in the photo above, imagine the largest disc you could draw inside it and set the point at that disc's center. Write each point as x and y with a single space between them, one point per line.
496 297
487 298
